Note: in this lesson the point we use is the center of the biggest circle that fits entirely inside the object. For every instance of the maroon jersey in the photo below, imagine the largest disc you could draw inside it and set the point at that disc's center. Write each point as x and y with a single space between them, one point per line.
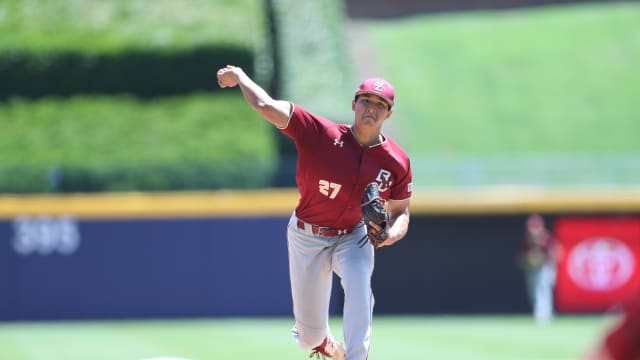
623 342
333 170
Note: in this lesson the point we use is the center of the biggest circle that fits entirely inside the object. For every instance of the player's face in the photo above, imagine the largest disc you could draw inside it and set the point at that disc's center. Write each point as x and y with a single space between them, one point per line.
371 109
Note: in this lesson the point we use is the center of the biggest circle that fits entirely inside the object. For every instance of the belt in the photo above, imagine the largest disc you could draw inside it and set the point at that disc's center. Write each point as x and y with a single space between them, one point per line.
322 230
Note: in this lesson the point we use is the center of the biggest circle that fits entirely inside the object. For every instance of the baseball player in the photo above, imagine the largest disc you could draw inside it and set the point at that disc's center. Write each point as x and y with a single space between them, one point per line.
336 163
622 341
540 254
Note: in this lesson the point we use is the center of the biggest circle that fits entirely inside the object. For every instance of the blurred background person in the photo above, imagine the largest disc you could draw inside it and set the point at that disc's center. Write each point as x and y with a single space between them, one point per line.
539 256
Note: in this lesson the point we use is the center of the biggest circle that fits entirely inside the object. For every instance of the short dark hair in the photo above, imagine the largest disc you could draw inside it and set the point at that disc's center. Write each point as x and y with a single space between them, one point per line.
357 96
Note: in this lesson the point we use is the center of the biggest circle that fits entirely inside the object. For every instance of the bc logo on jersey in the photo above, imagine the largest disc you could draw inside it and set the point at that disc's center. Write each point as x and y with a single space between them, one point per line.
384 180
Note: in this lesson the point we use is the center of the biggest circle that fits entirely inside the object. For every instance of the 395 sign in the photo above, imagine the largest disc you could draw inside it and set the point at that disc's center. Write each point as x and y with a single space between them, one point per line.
45 235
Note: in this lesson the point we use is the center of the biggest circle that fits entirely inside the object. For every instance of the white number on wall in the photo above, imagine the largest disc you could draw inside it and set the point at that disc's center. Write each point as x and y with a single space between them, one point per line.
45 235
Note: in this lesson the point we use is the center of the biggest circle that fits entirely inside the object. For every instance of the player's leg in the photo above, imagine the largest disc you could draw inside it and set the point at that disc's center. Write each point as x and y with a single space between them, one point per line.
532 276
311 277
354 265
544 311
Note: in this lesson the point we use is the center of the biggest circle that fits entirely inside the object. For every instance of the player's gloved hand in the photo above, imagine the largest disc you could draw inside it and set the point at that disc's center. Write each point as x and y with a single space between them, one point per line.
374 212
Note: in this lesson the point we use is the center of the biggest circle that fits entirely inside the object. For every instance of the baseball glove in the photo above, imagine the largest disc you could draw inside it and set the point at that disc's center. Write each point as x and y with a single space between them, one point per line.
373 211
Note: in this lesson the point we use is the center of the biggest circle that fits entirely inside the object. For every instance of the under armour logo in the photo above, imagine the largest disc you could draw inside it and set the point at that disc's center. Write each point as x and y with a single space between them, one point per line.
337 142
379 85
342 232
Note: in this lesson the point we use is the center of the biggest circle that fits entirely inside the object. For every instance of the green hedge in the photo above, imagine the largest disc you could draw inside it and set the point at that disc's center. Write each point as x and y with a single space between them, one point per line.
59 53
144 73
121 143
145 48
114 26
249 173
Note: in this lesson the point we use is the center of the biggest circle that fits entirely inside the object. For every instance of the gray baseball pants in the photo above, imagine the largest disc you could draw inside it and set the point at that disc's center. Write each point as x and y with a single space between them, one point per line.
312 261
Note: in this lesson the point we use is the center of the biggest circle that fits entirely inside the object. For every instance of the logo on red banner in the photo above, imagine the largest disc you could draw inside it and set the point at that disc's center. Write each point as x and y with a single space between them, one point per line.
600 266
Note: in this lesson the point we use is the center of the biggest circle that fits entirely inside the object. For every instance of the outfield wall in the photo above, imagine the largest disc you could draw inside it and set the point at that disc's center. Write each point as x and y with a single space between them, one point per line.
115 268
224 253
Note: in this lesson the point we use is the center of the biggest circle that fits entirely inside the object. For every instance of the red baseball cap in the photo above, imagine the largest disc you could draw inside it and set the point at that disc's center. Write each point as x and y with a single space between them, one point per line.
379 87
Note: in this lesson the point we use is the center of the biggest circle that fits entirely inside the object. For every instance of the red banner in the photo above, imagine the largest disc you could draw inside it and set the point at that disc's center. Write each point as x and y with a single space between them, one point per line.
600 266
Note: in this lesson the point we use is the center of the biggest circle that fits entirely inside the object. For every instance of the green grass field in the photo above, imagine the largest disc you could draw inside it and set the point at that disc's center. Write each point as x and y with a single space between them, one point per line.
544 96
405 338
557 79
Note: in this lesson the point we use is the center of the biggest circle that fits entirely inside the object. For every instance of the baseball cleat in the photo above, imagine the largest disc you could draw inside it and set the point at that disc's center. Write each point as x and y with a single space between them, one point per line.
330 348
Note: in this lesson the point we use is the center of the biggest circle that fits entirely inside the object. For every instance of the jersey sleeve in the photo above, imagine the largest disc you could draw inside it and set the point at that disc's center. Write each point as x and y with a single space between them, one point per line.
403 188
302 124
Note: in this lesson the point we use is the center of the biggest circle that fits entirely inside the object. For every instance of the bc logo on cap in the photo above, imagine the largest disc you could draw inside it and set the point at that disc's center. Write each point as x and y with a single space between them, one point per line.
379 85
